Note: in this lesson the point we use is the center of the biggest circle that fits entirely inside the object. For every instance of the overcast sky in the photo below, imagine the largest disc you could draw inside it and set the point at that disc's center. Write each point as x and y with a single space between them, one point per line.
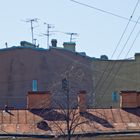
98 32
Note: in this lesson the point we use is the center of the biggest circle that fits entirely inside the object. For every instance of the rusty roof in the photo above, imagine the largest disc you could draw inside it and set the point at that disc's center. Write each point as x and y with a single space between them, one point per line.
99 120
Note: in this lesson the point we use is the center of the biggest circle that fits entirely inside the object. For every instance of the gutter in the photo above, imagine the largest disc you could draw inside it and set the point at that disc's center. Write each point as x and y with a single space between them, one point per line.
94 134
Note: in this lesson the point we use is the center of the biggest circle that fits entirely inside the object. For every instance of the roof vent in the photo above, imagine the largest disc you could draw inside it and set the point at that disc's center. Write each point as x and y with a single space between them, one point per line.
104 57
27 44
54 42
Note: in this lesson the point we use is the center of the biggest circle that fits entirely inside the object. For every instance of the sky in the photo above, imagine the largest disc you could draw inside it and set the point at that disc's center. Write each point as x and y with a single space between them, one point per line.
98 32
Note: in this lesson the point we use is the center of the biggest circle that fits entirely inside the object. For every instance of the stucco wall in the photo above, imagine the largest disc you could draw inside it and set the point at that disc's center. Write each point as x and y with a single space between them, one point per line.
19 66
113 76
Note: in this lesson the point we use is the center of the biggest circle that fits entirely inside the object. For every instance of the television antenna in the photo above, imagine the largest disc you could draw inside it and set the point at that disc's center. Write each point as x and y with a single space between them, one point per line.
49 26
32 27
68 33
71 35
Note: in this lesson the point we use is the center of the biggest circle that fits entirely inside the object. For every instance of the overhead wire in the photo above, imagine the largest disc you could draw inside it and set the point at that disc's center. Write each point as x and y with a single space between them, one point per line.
120 37
121 62
104 11
100 82
128 38
133 43
113 65
130 19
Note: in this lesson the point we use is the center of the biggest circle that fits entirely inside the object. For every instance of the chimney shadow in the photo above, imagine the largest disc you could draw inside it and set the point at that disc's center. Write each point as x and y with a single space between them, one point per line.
49 114
97 119
135 111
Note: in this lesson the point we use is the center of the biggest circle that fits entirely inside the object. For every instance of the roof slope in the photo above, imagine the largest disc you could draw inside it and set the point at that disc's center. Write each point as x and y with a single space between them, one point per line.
99 120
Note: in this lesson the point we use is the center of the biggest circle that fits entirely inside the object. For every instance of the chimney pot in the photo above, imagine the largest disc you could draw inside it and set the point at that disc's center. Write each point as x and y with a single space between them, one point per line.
129 99
39 100
82 101
54 42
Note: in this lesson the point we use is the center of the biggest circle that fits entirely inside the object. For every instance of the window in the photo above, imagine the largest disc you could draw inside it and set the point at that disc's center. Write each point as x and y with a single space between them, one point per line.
114 96
34 85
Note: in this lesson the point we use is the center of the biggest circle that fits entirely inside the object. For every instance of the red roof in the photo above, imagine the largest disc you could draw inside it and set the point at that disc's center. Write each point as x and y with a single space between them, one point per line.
98 120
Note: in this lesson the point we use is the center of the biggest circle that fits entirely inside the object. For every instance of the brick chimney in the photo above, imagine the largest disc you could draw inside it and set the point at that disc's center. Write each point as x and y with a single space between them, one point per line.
129 99
39 100
69 46
138 98
82 101
137 56
54 42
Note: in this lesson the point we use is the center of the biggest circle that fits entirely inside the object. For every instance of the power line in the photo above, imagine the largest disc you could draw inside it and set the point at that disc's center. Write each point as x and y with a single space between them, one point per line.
121 63
126 27
117 71
107 76
104 11
128 38
133 43
99 81
136 7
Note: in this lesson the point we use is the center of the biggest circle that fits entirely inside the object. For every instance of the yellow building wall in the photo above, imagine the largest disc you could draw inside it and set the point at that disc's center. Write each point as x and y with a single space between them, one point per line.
114 76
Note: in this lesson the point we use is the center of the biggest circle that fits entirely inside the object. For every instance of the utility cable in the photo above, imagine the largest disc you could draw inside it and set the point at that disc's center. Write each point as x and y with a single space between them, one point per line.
102 75
99 81
113 65
121 63
104 11
128 38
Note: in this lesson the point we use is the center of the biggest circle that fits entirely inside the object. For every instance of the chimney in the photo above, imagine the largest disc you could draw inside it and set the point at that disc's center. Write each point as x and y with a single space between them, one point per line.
82 101
69 46
39 100
54 42
129 99
137 56
138 98
104 57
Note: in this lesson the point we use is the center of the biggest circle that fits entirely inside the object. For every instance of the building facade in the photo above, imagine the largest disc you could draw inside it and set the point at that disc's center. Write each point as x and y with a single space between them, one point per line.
112 76
26 68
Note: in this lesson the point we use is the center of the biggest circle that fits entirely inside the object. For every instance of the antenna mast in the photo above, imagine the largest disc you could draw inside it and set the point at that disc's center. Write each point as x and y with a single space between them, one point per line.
32 27
71 36
49 26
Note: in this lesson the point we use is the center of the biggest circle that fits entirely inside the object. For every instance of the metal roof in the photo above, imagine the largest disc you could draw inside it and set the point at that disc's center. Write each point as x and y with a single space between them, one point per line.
100 121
